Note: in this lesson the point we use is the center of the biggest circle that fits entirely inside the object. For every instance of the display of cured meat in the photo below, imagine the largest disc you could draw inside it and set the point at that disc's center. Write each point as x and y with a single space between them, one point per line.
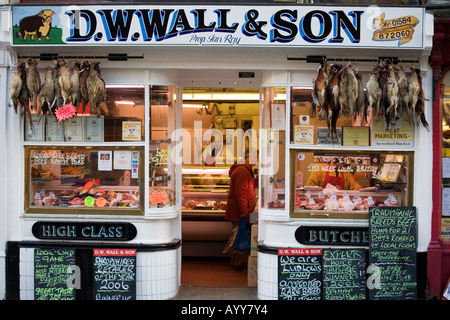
343 202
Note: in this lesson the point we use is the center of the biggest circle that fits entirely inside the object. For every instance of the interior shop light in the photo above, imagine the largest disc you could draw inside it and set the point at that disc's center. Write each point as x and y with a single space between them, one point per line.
112 86
125 102
205 171
245 96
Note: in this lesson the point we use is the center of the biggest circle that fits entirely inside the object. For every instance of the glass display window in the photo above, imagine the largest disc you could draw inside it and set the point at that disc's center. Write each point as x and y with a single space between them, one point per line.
84 180
272 148
162 142
345 184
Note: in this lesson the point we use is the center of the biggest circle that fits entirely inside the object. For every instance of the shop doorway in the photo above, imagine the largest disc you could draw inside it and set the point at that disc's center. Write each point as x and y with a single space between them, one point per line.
221 123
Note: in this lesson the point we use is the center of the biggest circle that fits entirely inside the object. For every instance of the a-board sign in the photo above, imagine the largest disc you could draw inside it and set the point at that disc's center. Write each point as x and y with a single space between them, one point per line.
344 274
114 274
392 249
300 274
51 274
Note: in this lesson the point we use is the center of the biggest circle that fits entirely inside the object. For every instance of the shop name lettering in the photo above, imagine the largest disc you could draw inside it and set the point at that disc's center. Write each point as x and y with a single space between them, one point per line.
161 24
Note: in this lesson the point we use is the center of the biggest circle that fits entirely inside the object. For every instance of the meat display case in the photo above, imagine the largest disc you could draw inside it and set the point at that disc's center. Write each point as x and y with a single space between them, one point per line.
204 192
345 184
75 180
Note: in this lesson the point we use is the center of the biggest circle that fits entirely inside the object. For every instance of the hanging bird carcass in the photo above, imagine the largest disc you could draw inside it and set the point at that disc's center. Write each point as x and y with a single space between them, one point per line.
96 88
75 84
47 93
33 81
320 88
64 81
392 97
352 89
15 87
403 92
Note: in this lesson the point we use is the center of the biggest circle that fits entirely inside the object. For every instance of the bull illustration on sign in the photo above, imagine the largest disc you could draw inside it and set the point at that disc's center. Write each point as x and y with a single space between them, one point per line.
38 25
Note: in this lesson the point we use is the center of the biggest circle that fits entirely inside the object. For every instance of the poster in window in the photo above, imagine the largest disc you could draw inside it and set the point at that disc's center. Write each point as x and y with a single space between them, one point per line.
122 160
131 130
105 160
304 134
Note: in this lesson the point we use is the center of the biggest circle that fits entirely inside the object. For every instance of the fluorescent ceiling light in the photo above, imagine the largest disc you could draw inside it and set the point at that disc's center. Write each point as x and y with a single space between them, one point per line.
221 96
130 103
124 86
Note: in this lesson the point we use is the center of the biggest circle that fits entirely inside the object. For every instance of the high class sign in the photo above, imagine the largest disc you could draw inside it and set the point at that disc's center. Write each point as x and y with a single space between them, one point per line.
298 26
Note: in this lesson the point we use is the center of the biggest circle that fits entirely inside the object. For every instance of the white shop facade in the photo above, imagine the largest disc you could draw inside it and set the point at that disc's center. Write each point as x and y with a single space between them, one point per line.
131 180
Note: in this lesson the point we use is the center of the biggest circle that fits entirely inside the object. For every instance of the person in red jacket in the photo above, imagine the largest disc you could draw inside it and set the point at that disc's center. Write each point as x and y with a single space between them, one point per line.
241 202
241 194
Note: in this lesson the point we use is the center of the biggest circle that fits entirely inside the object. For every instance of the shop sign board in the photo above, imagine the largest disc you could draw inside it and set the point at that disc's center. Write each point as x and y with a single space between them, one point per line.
392 250
401 135
300 274
344 274
220 25
327 235
321 274
84 231
50 273
114 274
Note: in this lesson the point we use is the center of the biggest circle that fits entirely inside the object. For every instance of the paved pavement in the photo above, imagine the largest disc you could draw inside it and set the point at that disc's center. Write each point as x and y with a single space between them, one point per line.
216 293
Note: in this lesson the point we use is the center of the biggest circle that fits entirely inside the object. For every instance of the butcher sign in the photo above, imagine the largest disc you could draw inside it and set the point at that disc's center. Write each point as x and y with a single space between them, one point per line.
220 25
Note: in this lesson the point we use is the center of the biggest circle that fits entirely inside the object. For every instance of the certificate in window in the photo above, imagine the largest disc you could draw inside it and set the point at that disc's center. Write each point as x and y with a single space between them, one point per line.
54 129
38 133
75 129
93 127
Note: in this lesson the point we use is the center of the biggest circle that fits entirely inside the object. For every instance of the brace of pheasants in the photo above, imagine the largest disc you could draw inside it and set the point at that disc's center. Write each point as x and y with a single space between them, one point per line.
62 85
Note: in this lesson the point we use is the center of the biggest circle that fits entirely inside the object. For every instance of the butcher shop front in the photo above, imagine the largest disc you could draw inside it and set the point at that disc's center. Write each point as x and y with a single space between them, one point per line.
122 123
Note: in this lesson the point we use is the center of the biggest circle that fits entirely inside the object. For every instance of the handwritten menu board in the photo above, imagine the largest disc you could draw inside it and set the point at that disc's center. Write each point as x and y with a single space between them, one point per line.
114 274
300 274
392 249
50 274
344 274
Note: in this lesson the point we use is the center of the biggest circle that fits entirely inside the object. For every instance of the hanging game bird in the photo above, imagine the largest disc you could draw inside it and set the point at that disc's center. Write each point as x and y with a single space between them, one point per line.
420 105
413 90
75 84
374 92
403 94
391 98
24 99
33 82
96 88
15 86
47 93
64 81
352 89
84 95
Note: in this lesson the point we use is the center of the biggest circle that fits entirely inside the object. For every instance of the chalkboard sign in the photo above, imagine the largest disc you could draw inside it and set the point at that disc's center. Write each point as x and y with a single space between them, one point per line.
300 274
114 274
50 274
392 252
344 274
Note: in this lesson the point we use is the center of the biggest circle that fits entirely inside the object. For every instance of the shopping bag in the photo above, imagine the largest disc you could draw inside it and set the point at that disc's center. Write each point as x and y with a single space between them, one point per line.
242 241
230 244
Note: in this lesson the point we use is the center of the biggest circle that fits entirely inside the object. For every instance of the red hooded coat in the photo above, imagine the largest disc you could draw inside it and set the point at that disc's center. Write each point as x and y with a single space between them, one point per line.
241 194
